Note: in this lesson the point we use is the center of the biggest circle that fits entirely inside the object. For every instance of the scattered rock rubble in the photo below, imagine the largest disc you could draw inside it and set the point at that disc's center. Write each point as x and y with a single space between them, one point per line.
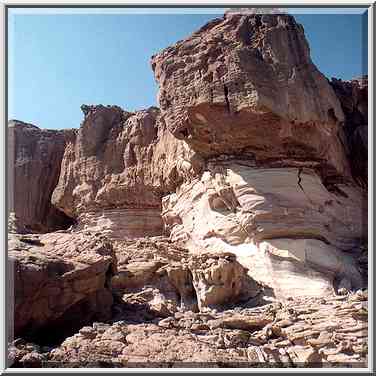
309 332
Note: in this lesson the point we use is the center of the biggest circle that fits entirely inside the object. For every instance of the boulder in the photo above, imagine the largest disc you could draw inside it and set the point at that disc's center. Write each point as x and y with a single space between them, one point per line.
61 280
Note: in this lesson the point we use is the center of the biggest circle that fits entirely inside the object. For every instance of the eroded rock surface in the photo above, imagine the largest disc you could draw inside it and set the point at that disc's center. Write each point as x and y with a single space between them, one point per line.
282 223
227 228
305 332
34 159
246 84
353 96
276 188
60 280
168 278
115 171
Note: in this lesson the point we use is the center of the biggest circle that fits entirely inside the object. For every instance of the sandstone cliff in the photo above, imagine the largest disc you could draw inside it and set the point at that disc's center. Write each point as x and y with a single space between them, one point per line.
276 188
116 170
353 96
245 84
34 159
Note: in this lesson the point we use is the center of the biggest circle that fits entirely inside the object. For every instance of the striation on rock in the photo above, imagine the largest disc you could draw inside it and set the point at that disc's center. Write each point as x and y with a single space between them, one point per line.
117 168
282 223
276 187
226 229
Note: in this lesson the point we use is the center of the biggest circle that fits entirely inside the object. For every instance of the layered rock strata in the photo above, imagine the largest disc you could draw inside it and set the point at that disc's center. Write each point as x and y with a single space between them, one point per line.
283 224
276 188
116 169
246 84
246 187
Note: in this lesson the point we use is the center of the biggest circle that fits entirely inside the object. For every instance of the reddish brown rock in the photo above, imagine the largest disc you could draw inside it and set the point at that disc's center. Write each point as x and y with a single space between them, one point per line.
35 157
60 280
353 96
116 169
245 84
248 158
310 332
244 94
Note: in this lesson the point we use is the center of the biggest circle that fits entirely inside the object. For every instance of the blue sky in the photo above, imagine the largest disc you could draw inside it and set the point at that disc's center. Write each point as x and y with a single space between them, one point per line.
59 61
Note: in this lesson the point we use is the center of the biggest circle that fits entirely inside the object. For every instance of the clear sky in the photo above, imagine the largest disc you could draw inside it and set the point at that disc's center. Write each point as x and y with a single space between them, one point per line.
59 61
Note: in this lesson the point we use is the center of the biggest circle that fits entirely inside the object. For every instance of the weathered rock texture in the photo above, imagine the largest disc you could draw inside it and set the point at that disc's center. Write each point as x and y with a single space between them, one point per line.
276 188
309 332
284 225
115 171
168 278
60 280
353 96
246 84
34 159
246 187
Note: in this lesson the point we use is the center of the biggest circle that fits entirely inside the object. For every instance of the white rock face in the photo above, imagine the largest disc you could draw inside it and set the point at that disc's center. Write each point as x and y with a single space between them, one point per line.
282 223
123 223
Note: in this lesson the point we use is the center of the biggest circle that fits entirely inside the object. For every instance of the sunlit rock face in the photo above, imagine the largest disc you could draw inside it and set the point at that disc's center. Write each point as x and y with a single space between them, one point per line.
214 230
116 170
277 188
245 84
283 224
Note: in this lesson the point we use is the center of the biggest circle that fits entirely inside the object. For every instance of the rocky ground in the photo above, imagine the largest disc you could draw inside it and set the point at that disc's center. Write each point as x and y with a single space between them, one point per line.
310 332
151 324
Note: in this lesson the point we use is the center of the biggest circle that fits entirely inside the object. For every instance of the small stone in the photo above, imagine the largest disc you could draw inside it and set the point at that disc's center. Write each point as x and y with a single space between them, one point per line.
343 291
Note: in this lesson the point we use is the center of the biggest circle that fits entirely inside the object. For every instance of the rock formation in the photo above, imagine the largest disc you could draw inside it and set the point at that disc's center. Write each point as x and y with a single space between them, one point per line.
276 189
34 159
245 84
228 227
167 278
353 96
60 280
116 169
306 332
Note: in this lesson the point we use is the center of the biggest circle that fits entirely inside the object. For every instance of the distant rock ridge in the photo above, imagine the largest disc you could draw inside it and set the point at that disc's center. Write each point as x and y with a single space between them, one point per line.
34 160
